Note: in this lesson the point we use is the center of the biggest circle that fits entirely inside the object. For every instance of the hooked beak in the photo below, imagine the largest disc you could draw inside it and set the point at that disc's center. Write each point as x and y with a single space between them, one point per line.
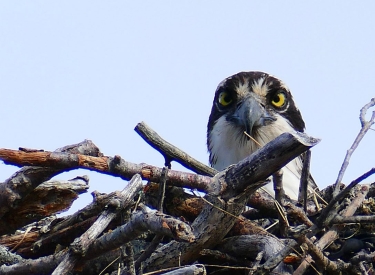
250 114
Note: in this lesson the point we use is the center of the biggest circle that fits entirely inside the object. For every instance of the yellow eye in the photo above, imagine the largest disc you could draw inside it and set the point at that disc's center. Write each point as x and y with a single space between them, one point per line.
278 100
225 99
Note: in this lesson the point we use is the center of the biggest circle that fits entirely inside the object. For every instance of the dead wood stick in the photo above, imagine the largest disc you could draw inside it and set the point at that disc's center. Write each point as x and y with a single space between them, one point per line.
273 155
353 219
157 238
256 263
80 246
332 234
140 221
297 213
92 210
329 212
276 263
48 243
149 250
279 203
278 186
45 200
14 189
213 223
115 166
274 250
128 258
365 126
209 228
7 257
73 225
369 258
223 257
42 265
234 180
250 245
322 262
196 269
261 164
302 194
171 152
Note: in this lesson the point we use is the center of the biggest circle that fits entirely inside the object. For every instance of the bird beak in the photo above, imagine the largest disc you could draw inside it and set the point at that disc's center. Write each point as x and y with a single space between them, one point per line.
250 114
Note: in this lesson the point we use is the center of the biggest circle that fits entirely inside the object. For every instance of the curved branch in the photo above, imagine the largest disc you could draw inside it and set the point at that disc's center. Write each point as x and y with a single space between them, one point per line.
365 126
171 152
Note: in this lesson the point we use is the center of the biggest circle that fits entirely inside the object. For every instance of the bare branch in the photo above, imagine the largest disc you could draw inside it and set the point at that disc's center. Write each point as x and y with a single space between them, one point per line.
353 219
365 126
213 223
328 212
45 200
302 194
115 166
140 221
332 234
80 246
171 152
25 180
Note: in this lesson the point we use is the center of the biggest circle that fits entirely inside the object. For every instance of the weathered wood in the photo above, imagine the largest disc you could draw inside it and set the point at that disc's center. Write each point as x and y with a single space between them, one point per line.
8 258
115 166
263 163
188 270
14 189
249 246
171 152
209 228
141 221
215 217
218 216
333 233
47 199
80 246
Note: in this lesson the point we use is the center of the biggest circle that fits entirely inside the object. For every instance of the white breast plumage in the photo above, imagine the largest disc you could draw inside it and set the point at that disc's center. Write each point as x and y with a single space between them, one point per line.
229 146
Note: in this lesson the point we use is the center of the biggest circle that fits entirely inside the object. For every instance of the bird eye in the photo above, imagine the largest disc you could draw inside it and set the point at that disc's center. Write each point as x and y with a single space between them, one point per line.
225 99
278 100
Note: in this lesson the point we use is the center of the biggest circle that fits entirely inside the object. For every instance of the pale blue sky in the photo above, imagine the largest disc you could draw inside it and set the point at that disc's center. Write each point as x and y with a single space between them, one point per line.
75 70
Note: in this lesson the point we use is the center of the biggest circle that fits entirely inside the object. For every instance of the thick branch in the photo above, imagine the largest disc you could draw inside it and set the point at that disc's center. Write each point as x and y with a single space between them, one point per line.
80 245
13 190
140 222
252 169
353 219
113 166
45 200
218 216
263 163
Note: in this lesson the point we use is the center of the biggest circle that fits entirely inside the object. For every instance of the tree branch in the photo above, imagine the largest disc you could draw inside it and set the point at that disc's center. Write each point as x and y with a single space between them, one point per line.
365 126
171 152
80 246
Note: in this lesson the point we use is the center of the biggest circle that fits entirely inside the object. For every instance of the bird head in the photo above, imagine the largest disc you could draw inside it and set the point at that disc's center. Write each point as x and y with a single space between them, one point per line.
247 104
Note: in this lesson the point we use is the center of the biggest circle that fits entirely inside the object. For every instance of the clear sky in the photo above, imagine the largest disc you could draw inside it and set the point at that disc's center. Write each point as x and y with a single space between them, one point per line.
75 70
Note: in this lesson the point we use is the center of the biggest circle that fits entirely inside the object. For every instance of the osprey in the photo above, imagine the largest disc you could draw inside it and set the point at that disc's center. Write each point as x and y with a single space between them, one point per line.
262 106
